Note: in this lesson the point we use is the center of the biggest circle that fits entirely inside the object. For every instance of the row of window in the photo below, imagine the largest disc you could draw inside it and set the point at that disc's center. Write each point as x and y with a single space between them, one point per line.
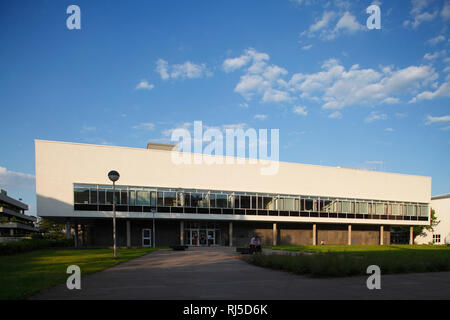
135 196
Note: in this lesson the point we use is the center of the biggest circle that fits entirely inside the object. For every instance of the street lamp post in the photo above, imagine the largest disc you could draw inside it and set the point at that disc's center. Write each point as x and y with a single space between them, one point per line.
114 176
153 236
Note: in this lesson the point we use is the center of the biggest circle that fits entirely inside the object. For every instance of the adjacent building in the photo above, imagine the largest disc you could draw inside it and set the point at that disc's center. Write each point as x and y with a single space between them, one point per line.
13 220
220 204
441 206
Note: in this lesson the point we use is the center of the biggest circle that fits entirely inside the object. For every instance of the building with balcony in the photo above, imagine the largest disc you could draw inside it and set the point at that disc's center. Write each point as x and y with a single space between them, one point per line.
13 220
220 204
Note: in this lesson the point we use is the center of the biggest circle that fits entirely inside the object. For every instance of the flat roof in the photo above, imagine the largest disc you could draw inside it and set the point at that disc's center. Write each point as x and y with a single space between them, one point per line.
5 198
442 196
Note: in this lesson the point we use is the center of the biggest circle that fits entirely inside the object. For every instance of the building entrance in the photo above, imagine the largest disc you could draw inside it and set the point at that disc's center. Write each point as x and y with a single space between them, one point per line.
201 234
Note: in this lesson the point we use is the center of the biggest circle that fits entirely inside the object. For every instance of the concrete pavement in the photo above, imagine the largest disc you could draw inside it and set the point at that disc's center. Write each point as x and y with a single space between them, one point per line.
219 273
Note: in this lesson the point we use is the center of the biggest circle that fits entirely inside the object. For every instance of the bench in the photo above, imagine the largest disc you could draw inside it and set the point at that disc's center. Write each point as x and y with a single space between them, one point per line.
179 248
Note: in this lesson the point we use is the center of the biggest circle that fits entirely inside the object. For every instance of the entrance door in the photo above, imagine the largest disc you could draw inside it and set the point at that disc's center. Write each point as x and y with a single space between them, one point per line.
211 237
146 237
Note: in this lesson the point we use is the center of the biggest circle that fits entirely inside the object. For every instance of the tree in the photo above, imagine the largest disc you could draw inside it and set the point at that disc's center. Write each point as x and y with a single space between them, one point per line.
420 230
51 229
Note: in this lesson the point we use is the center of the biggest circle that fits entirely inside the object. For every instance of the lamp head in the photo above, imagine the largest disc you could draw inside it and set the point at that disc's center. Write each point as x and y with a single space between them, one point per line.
113 175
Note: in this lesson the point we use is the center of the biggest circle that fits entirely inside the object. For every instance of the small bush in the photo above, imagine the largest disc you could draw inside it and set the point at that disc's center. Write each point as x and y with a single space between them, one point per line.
26 245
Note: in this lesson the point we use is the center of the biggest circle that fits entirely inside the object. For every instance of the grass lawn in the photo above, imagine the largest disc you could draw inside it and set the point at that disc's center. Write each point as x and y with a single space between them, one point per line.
25 274
342 261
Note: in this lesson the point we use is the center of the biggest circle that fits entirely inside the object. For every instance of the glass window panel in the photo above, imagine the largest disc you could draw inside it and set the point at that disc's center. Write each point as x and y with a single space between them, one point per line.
326 205
230 201
409 210
245 202
424 211
109 197
101 196
212 200
289 204
81 195
160 200
309 204
221 200
395 209
268 203
196 199
142 198
236 201
379 208
363 207
346 206
132 198
254 205
123 197
93 196
170 199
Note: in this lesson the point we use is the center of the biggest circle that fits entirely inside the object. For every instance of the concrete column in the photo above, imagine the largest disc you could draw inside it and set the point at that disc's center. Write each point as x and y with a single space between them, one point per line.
11 232
349 241
68 227
181 233
381 235
274 234
314 235
128 233
411 235
230 233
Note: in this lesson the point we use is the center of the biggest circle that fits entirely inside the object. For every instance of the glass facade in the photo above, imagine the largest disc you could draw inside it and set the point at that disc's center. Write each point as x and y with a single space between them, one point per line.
143 199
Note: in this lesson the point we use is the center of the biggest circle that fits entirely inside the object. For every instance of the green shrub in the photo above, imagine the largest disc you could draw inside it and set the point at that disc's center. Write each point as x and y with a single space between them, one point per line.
26 245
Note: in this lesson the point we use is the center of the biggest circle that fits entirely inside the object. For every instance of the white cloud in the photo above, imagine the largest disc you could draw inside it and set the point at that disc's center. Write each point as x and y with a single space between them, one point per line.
419 15
244 105
348 23
261 116
162 68
433 56
145 126
307 47
389 130
375 116
334 23
335 115
300 111
442 91
187 70
274 95
13 180
433 120
390 100
436 40
144 85
445 13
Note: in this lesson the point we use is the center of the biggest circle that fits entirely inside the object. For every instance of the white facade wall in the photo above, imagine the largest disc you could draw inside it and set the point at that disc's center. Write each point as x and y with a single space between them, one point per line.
441 207
59 165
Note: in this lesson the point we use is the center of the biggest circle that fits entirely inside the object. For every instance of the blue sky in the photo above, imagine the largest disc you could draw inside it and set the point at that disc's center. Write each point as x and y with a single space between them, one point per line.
341 95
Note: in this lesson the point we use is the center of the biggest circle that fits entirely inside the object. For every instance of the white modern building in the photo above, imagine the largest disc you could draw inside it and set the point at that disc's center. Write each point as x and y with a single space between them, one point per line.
220 204
441 206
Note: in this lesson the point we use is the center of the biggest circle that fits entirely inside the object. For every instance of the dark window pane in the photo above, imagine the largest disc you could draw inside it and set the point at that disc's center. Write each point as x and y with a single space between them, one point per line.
245 202
170 199
101 196
268 203
254 202
123 197
109 197
309 205
236 202
196 199
160 199
94 196
81 195
221 200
